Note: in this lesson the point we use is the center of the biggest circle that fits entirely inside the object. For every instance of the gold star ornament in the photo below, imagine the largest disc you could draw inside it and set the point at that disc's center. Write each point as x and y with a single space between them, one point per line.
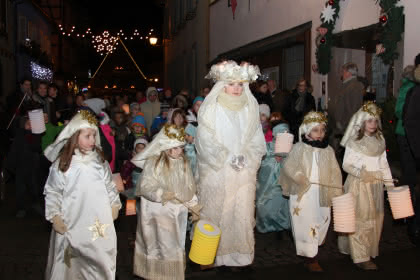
296 211
313 232
98 229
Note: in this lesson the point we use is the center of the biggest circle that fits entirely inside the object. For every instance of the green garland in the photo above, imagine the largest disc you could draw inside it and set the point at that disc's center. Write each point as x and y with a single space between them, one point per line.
390 33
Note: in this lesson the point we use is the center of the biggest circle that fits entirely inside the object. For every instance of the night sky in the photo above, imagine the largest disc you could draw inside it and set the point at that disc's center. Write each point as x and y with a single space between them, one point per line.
142 15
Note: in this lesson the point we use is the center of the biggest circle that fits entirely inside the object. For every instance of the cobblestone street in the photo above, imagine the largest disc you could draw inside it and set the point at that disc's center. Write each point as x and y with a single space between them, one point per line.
24 249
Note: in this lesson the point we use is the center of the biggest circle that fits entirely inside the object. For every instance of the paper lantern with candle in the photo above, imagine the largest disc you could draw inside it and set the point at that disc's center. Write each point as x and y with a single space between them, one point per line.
130 207
400 201
36 117
205 243
284 143
344 213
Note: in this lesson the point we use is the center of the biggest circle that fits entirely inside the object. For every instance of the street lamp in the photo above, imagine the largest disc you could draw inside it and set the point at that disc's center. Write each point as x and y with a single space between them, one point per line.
153 41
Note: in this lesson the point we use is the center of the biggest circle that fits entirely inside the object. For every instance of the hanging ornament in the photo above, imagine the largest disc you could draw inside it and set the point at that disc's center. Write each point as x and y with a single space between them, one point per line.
315 68
330 2
323 40
322 30
383 19
328 14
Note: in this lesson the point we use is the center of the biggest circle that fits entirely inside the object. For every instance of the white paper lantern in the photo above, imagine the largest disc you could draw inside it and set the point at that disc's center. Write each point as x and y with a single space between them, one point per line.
400 201
284 143
344 213
36 117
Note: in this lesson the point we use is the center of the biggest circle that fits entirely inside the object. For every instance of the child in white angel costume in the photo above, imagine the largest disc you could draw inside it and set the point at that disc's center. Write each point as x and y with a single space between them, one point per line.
368 170
230 144
82 202
311 177
167 190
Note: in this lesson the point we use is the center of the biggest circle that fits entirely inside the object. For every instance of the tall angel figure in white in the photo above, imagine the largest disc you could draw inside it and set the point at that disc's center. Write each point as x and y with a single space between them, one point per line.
230 144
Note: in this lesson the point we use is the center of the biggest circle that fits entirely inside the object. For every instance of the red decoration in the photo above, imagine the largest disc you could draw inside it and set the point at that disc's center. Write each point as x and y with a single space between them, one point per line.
323 41
330 2
383 19
234 3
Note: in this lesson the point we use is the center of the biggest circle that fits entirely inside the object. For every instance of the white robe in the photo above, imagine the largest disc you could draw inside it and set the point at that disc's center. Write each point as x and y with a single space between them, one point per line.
310 221
228 196
161 229
82 196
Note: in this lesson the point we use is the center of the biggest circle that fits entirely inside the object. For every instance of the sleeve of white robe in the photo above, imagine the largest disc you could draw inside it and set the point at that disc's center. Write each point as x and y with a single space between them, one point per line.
385 170
255 149
53 192
209 150
111 188
352 162
150 187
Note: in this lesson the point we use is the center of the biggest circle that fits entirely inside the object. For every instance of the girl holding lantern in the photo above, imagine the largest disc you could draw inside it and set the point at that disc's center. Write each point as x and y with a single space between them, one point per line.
81 202
230 144
311 177
367 167
167 190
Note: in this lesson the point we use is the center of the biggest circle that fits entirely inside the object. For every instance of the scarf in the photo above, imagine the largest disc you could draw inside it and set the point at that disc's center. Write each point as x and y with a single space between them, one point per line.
233 103
300 102
316 143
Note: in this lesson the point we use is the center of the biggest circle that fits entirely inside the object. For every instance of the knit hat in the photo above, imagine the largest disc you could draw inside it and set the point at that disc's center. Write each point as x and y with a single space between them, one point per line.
151 91
198 98
139 120
191 130
168 137
368 111
140 140
264 109
103 118
83 119
311 120
134 105
164 107
96 104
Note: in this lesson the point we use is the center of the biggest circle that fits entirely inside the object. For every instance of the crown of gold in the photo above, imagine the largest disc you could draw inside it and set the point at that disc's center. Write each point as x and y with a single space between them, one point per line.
89 117
178 135
372 109
316 117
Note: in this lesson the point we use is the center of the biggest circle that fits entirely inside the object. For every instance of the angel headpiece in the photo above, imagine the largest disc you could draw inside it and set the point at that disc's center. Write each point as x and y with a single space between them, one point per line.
229 71
83 119
368 111
311 120
168 137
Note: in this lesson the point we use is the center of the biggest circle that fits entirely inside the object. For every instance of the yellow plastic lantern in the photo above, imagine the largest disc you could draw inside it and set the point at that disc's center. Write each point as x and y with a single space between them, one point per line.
205 243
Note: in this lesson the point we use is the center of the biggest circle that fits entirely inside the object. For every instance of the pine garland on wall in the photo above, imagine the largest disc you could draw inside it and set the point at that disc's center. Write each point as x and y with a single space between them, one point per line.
392 27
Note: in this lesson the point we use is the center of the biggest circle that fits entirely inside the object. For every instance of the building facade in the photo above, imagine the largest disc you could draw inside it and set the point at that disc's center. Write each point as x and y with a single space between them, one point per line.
186 47
7 51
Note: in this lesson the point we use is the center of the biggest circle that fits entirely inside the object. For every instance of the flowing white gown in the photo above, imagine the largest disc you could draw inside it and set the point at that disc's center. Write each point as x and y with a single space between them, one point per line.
83 197
228 196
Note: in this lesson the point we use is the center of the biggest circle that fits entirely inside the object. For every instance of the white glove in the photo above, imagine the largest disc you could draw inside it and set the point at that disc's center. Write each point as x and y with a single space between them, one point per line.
58 225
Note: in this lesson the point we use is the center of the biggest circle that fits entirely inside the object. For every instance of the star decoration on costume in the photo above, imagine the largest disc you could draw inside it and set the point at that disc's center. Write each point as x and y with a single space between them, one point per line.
68 256
98 230
313 232
327 14
296 211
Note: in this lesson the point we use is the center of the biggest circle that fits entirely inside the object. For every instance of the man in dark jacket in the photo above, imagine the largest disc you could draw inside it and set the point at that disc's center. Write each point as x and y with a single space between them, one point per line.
411 121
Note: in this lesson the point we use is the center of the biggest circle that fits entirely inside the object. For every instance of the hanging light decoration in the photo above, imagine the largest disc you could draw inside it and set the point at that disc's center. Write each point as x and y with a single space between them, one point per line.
104 43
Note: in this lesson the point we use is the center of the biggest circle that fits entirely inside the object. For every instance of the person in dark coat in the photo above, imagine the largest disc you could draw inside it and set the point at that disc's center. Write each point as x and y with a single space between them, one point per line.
411 122
301 103
23 161
262 94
